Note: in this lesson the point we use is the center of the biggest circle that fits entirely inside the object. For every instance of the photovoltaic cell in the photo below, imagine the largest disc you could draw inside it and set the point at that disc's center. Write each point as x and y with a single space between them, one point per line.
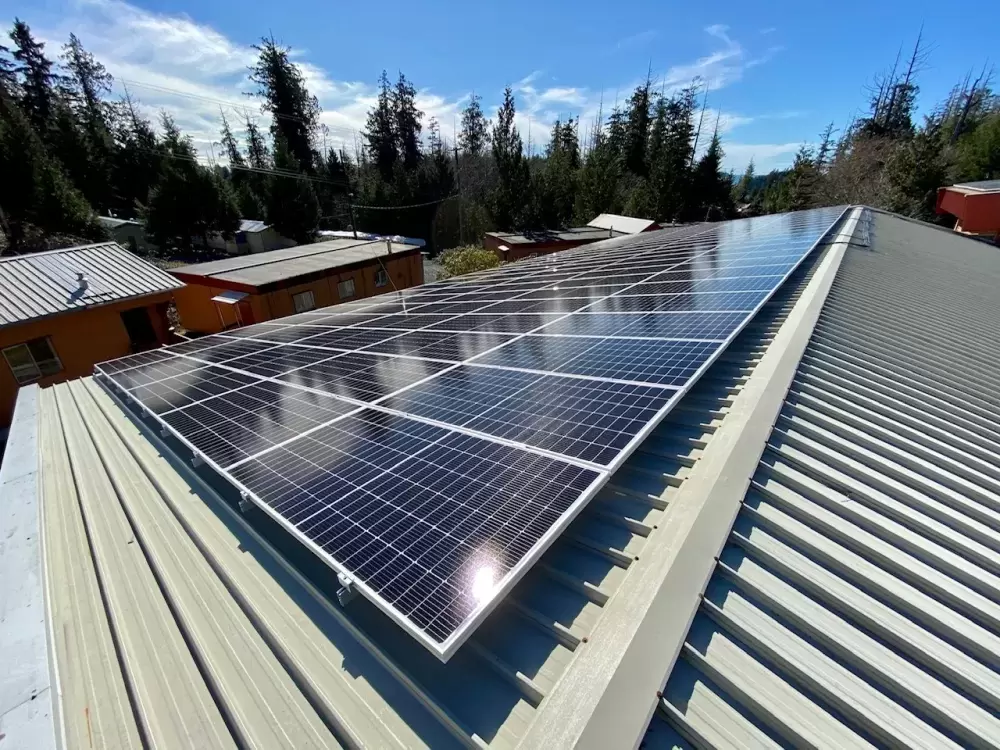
430 444
591 420
426 517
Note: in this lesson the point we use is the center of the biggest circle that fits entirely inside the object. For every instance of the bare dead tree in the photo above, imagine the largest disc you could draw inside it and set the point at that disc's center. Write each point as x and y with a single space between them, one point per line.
973 98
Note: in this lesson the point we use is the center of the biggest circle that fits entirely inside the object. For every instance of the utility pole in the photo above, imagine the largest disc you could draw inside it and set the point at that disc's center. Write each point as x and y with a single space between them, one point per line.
458 185
350 204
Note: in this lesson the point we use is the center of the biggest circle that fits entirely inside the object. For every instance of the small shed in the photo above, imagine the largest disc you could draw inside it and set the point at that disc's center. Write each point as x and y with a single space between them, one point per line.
129 233
64 310
292 280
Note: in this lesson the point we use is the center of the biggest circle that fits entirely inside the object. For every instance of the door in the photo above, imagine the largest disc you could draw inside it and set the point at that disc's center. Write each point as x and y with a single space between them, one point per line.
141 334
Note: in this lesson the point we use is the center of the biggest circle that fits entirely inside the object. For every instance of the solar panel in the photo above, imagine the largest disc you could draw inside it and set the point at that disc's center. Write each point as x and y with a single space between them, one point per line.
430 445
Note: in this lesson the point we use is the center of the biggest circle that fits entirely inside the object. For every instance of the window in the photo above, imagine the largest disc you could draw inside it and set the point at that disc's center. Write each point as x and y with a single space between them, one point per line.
32 360
304 301
346 288
381 277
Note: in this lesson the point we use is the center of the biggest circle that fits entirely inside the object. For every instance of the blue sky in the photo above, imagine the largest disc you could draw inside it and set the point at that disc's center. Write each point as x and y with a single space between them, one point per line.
776 74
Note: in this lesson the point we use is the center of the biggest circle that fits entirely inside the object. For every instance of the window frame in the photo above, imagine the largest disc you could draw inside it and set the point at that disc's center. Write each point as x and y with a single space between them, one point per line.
340 289
301 295
384 275
40 368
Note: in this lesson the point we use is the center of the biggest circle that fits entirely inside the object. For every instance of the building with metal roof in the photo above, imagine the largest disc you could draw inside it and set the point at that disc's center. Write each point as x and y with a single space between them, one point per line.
62 311
292 280
511 246
805 552
975 206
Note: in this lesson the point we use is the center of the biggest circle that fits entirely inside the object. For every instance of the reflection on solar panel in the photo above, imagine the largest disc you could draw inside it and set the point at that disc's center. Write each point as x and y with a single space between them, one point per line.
429 446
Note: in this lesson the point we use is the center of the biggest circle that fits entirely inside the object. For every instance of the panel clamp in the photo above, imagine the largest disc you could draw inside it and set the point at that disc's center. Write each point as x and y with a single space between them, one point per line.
245 504
197 460
347 591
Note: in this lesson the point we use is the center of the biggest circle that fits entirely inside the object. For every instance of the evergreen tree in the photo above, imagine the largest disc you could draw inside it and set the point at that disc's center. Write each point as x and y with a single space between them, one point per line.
189 200
713 190
380 132
474 136
979 150
637 125
282 91
292 207
510 197
37 81
34 192
918 169
8 75
670 170
136 159
742 191
407 123
258 156
802 181
88 83
826 148
598 179
555 187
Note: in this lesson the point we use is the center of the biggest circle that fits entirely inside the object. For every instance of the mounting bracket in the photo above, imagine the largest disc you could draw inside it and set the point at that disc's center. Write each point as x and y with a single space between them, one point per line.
347 591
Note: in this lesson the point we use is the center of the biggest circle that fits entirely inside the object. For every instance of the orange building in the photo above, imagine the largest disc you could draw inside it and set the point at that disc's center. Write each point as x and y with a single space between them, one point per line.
63 311
975 206
253 288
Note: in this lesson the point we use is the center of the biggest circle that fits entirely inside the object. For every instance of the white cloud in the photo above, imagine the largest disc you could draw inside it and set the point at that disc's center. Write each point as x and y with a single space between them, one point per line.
766 156
191 70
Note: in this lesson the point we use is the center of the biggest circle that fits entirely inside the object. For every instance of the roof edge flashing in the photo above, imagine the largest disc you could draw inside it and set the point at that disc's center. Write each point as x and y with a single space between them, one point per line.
600 704
29 713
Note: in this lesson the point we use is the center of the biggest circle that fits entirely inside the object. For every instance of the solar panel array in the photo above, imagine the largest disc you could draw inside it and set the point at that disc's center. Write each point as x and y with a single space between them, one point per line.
430 444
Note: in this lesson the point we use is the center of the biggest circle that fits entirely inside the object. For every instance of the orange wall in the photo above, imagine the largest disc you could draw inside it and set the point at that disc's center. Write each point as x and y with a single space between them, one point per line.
81 339
199 314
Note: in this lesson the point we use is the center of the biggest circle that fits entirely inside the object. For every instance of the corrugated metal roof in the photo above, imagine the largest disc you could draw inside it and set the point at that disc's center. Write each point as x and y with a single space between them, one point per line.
253 225
42 284
626 224
261 269
364 678
110 222
857 601
574 234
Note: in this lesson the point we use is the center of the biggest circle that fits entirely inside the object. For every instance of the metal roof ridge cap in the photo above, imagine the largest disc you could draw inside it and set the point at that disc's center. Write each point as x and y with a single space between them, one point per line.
641 635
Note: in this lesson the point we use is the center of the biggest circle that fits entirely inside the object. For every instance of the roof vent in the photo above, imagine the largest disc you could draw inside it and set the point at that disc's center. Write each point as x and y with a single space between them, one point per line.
388 245
82 280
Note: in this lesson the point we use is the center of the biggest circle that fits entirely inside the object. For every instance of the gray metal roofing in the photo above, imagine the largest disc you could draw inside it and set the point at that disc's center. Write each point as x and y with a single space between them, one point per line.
112 222
291 262
857 600
42 284
982 186
364 679
586 234
253 225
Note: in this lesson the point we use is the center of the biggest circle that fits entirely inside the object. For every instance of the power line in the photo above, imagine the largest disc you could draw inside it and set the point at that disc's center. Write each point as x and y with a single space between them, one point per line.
222 102
412 205
278 172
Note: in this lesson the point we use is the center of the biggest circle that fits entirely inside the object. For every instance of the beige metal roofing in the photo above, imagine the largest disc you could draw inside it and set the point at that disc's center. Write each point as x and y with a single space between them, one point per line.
260 269
626 224
364 678
42 284
857 600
